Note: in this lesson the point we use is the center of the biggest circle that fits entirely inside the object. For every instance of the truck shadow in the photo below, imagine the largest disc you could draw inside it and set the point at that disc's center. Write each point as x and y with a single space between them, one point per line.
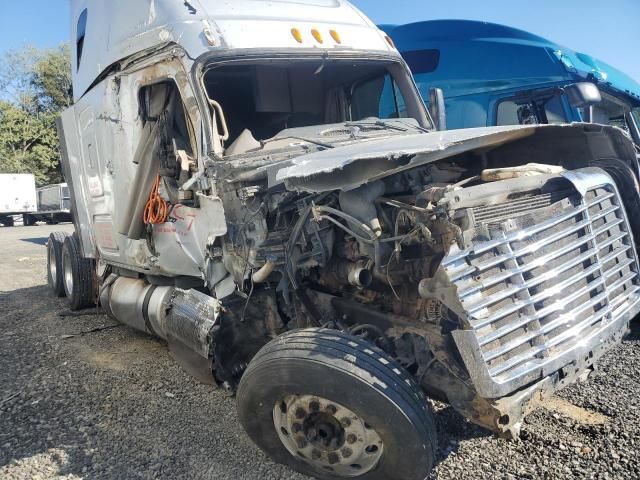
453 428
112 403
634 331
74 401
106 404
38 241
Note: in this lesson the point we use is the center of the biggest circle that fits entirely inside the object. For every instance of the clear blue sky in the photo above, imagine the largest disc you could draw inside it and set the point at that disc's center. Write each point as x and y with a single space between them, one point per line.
609 30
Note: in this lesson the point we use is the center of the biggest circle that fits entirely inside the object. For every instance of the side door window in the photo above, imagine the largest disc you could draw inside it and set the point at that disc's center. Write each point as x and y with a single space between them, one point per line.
554 110
511 112
531 111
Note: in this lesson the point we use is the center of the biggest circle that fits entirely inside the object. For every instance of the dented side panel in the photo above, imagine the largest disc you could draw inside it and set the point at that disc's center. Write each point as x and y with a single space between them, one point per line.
71 154
105 131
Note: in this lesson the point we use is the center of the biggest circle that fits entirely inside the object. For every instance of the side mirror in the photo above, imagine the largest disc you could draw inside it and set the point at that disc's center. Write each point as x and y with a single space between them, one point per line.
437 108
583 94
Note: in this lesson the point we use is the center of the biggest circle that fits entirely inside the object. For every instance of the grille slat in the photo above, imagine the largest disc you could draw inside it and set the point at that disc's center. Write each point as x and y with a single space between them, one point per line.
526 233
541 314
512 208
549 327
540 260
535 281
545 278
497 260
546 294
566 335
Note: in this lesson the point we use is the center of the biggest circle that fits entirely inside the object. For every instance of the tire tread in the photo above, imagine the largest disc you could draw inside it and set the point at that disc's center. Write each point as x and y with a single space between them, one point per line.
54 246
83 294
354 357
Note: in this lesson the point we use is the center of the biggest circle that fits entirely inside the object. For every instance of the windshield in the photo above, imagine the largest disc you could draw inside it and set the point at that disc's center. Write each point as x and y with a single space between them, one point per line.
611 111
617 112
635 113
259 101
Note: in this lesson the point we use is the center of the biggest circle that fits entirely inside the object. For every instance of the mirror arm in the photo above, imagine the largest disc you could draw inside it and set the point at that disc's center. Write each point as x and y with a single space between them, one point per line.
437 108
588 114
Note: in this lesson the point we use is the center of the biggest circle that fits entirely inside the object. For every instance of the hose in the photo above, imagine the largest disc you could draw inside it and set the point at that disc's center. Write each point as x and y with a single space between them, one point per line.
156 210
261 275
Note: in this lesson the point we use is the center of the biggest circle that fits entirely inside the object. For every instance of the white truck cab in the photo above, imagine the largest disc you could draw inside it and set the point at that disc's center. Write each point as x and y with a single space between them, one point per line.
260 184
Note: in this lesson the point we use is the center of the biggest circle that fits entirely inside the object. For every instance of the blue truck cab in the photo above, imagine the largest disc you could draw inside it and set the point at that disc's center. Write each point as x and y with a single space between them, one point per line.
496 75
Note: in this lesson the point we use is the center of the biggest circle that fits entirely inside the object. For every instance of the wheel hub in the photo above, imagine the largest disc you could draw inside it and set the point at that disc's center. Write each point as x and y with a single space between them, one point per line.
68 273
53 267
327 435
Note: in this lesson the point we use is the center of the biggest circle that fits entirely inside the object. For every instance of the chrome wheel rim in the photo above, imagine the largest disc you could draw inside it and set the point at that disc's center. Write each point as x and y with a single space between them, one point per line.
327 435
53 266
68 273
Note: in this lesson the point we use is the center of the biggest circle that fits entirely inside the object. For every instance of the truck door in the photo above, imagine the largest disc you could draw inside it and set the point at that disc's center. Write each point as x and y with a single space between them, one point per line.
73 168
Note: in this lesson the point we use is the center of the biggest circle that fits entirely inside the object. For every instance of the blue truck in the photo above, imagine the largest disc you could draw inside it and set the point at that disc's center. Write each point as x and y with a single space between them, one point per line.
496 75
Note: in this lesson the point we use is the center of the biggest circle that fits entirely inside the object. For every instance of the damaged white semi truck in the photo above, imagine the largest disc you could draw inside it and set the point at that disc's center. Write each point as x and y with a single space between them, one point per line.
260 185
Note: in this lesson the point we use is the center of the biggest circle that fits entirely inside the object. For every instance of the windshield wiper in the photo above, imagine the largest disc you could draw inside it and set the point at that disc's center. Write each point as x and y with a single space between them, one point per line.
302 139
387 124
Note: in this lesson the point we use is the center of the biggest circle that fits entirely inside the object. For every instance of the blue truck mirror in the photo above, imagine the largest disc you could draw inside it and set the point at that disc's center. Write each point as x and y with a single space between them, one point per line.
583 94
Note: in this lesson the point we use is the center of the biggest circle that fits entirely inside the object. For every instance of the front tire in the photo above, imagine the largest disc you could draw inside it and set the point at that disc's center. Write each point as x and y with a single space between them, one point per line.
78 273
331 406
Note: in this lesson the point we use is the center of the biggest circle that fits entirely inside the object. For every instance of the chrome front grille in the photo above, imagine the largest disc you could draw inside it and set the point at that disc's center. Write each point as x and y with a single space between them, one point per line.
540 285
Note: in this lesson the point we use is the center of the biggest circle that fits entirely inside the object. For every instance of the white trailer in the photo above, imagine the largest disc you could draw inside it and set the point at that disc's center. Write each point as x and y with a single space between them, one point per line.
54 205
17 196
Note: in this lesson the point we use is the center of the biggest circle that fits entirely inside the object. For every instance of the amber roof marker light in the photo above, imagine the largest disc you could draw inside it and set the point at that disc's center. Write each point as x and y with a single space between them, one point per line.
296 34
336 36
316 34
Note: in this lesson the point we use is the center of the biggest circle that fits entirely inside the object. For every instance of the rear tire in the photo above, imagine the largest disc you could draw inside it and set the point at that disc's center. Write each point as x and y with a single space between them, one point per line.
54 263
78 275
297 391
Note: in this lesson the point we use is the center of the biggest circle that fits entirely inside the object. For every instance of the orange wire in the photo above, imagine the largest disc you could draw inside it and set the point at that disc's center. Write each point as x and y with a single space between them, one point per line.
156 210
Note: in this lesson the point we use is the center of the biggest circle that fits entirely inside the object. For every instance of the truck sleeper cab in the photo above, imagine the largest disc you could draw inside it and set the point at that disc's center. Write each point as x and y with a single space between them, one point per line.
497 75
261 186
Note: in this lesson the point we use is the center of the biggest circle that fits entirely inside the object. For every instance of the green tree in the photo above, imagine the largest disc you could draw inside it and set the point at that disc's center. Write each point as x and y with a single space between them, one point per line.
35 85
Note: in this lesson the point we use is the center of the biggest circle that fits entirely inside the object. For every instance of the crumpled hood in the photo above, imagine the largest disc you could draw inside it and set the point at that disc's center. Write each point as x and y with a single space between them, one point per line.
346 168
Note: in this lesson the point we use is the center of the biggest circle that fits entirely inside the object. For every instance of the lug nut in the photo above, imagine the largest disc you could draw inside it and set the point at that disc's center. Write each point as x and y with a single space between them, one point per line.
351 438
345 422
300 413
314 406
331 409
296 428
333 458
347 452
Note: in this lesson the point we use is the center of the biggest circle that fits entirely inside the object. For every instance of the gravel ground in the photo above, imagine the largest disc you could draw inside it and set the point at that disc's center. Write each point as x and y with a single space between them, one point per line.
110 403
